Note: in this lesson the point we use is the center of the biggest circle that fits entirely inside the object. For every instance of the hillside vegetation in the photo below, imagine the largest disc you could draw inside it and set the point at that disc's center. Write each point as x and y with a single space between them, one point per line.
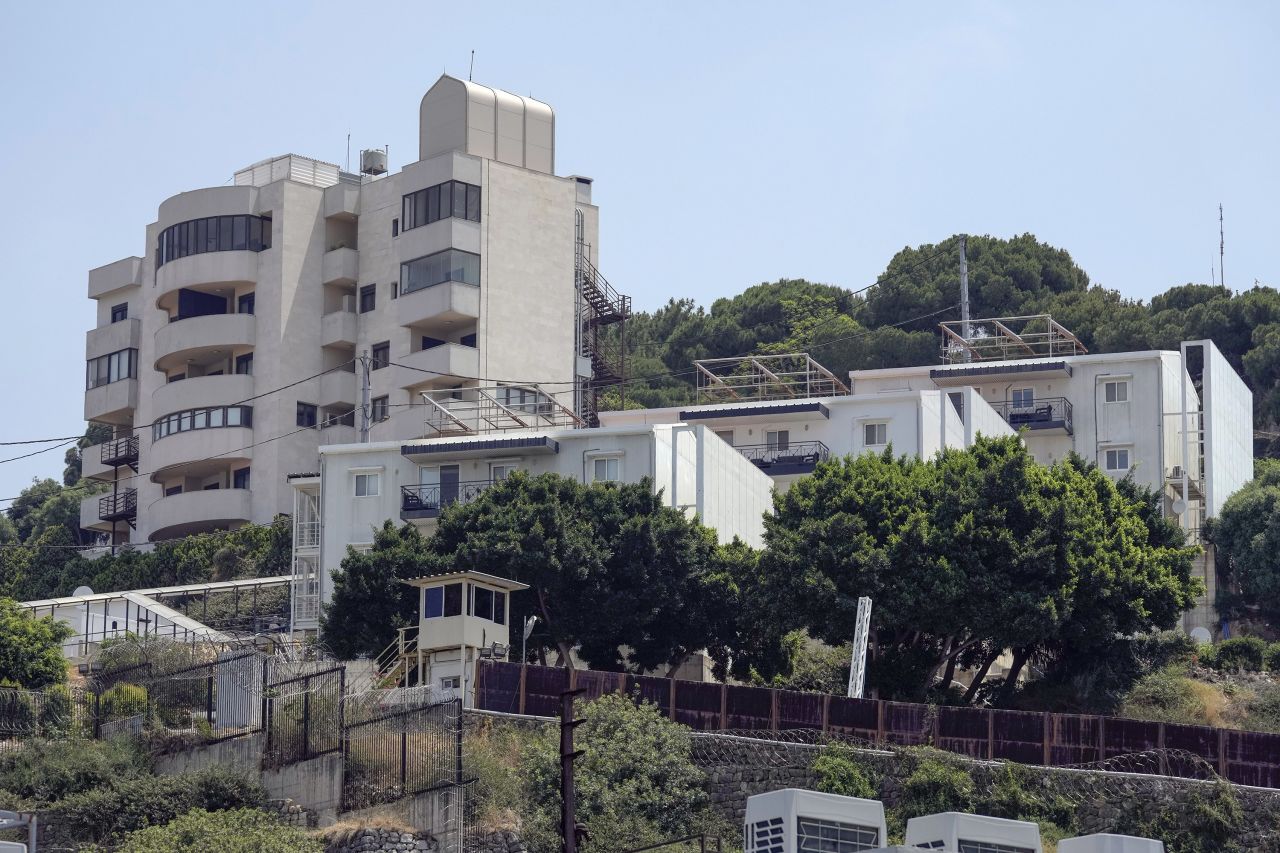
895 323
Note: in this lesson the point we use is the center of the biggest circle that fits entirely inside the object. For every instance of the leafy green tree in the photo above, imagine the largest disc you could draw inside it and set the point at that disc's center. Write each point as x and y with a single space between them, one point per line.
31 648
612 570
1246 534
839 772
636 780
968 554
232 831
370 599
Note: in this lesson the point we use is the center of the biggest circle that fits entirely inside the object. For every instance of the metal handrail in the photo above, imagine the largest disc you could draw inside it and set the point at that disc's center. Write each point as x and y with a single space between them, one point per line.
795 451
438 497
120 448
121 503
1040 410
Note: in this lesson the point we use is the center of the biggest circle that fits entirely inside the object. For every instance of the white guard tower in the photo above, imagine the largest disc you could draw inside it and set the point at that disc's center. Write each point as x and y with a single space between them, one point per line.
1106 843
461 616
797 821
967 833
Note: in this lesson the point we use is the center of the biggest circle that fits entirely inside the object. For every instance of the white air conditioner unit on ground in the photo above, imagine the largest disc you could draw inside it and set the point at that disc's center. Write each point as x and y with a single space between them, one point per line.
797 821
954 832
1106 843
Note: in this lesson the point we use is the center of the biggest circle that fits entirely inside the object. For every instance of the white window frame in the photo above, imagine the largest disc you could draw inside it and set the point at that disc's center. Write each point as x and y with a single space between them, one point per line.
510 465
357 473
616 456
1121 385
451 682
781 439
725 435
874 424
1128 459
1018 398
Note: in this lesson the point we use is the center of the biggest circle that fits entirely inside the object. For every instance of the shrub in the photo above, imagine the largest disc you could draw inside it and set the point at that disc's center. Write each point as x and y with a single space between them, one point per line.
1204 823
1169 696
936 785
636 780
1273 658
839 773
108 812
30 647
1240 653
43 772
57 709
492 756
121 701
233 831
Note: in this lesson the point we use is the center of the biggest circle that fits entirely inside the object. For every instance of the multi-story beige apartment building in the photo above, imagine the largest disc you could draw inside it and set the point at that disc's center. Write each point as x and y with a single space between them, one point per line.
303 305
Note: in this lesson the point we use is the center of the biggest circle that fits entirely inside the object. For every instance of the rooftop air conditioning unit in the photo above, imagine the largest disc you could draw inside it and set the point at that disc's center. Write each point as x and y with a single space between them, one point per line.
954 832
373 161
1105 843
1176 473
793 821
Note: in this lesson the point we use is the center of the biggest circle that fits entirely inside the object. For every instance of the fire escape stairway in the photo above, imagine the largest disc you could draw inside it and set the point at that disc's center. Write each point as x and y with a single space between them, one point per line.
607 307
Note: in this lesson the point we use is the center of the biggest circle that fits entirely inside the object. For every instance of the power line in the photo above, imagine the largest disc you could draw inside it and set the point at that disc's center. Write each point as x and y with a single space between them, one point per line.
38 452
42 440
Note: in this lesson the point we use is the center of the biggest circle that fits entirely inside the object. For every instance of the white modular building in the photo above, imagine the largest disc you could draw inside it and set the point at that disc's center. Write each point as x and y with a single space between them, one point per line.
239 340
786 431
1103 842
955 832
793 820
360 486
1177 421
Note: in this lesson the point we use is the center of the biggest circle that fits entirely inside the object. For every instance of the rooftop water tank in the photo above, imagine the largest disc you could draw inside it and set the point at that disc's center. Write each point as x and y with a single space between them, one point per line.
373 161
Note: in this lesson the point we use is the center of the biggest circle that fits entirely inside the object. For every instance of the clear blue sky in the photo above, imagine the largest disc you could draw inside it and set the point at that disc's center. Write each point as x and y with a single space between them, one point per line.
731 143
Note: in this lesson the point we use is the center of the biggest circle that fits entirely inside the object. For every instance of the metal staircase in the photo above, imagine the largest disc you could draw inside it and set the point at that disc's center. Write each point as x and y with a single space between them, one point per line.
600 306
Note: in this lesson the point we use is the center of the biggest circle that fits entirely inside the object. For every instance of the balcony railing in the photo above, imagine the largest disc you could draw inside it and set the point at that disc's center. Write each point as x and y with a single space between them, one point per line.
122 451
1043 413
118 506
798 457
429 501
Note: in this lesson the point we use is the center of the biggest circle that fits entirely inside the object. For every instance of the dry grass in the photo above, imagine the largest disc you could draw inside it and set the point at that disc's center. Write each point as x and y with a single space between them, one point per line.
346 830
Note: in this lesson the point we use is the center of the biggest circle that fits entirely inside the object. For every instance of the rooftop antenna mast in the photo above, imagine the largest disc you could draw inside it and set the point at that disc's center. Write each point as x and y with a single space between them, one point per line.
1222 248
472 69
964 293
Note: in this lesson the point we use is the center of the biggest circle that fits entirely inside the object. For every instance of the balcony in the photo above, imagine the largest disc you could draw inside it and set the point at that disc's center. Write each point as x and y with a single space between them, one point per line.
112 403
340 266
105 340
199 452
430 501
121 506
799 457
199 512
338 329
1046 413
125 272
194 337
200 392
342 201
338 387
438 367
209 268
122 451
440 306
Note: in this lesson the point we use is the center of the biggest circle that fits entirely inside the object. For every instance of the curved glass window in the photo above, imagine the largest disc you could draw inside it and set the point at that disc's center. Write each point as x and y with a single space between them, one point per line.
449 265
210 418
213 234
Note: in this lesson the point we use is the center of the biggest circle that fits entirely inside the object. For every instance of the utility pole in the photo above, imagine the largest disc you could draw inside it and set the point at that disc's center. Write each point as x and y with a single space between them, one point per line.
964 293
364 396
569 828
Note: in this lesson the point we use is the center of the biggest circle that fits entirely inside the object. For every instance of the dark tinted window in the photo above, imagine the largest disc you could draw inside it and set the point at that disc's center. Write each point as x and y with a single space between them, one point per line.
119 312
429 270
450 199
381 355
306 414
213 234
453 599
368 298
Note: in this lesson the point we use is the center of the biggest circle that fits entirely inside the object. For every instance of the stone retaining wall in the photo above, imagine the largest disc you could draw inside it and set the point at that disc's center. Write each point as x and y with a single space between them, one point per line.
498 841
738 768
381 840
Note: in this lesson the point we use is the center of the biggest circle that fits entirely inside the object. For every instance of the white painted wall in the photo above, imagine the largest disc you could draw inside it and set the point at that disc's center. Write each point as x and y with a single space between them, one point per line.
1228 406
690 466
